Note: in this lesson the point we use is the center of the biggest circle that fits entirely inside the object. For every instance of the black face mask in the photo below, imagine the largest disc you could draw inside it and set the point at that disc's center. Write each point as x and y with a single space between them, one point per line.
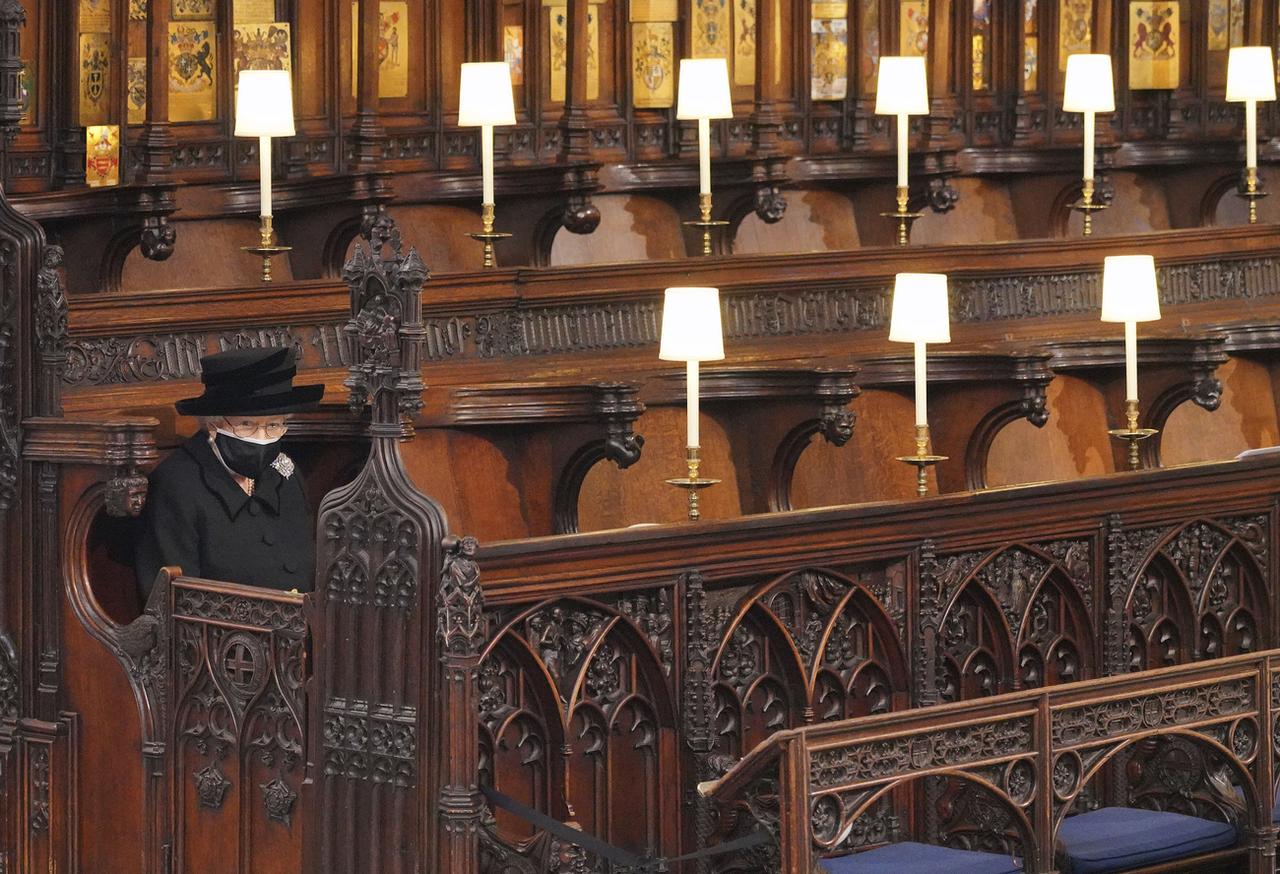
244 457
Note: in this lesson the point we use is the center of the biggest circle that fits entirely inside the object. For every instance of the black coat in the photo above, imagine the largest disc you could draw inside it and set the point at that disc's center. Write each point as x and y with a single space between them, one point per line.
198 518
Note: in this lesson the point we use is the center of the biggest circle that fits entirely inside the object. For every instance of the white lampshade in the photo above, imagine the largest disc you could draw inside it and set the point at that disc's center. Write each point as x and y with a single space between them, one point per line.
920 310
1251 74
1129 292
1089 86
902 87
264 104
484 96
691 325
704 89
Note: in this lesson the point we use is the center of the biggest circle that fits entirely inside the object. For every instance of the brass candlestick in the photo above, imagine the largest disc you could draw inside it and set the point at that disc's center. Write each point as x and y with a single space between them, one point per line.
487 235
266 248
1132 433
1252 193
904 218
692 483
922 460
1086 205
706 223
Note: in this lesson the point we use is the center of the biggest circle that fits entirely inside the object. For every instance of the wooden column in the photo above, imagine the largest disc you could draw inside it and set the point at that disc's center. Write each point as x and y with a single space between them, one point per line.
157 143
573 123
461 635
367 135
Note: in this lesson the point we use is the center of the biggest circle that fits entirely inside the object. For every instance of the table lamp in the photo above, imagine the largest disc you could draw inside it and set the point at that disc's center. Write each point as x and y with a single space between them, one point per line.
691 333
1089 89
1130 295
485 101
264 109
902 90
703 94
920 315
1251 77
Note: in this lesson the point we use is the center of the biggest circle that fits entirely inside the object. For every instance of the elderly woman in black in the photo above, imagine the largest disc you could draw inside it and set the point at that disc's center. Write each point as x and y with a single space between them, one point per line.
228 504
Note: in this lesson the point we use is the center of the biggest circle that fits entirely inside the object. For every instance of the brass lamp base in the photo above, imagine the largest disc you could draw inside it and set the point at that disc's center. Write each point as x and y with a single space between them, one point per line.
706 223
1132 433
692 483
487 235
922 460
1252 193
267 247
904 218
1086 205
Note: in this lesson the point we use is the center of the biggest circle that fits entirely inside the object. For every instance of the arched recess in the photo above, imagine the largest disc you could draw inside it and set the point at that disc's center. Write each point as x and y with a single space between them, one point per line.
217 261
812 643
970 811
1197 793
1199 593
816 220
576 712
1023 604
632 228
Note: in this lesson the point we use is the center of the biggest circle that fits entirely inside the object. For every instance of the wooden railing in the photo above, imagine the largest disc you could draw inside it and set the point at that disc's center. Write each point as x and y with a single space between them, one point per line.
1032 758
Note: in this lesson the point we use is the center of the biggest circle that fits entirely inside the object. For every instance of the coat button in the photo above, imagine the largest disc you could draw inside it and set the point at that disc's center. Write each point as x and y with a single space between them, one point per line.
290 567
269 539
253 508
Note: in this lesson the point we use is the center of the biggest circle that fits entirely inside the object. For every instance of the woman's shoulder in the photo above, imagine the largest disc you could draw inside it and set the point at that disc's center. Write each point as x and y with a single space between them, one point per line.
181 466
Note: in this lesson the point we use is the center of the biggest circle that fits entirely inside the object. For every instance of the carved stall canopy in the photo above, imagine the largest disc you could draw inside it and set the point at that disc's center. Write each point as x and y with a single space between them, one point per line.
805 163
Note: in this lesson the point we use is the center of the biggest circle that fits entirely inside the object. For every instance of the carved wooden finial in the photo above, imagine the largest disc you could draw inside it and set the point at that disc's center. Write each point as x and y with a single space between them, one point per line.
386 324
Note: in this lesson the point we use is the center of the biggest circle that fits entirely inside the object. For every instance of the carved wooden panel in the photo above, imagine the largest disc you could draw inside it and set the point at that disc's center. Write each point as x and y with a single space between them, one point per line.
577 718
237 735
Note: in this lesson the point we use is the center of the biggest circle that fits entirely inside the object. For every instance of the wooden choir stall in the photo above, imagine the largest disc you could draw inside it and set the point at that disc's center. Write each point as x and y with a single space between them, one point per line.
590 597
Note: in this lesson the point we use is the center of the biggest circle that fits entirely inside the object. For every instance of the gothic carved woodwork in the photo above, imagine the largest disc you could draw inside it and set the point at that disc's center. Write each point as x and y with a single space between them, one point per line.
577 717
1188 740
235 692
835 390
1192 591
379 560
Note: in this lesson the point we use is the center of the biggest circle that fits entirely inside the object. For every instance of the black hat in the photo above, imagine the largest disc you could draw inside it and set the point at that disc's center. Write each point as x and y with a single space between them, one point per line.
250 382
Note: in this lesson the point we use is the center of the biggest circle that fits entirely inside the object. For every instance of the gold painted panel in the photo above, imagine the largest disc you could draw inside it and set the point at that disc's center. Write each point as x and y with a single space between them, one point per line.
744 42
711 26
653 79
913 27
192 71
830 61
1075 29
1154 38
137 90
193 10
513 51
102 155
95 77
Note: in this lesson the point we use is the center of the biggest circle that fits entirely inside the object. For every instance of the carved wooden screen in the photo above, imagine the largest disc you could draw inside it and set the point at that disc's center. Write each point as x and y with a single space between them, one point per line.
810 645
577 719
1020 616
1193 591
236 686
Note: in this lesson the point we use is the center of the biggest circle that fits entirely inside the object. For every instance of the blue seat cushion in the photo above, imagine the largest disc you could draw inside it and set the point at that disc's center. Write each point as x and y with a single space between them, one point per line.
921 859
1117 838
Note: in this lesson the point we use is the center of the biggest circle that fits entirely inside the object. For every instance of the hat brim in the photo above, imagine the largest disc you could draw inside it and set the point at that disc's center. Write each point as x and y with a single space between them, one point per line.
298 399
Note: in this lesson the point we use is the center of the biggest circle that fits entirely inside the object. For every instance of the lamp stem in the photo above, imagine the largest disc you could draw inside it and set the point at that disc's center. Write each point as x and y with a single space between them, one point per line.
264 176
486 162
704 156
922 387
1251 134
691 382
904 127
1131 362
1088 143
